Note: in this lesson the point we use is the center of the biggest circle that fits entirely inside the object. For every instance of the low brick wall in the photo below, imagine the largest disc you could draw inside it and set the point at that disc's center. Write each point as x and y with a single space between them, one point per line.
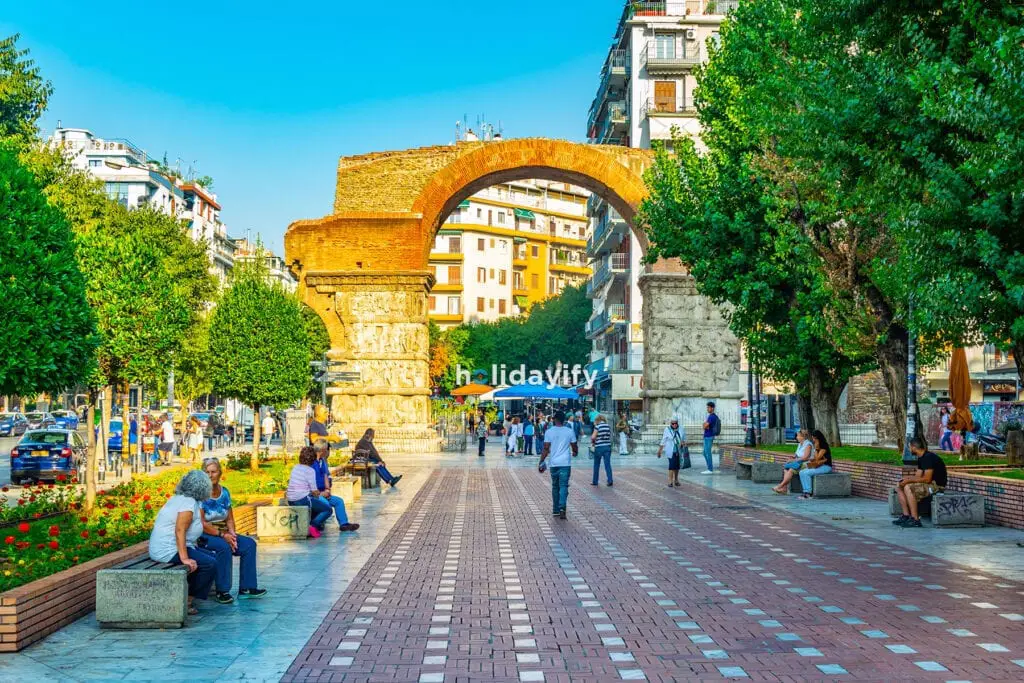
33 611
1004 498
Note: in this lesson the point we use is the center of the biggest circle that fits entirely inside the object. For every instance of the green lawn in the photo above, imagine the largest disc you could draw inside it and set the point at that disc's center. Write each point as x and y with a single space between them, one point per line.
886 455
1004 474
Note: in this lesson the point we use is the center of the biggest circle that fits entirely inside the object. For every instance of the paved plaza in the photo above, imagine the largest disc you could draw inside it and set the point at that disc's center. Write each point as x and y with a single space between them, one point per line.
463 574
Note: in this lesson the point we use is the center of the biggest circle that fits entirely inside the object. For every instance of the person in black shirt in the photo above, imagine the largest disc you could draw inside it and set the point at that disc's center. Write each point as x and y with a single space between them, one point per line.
929 480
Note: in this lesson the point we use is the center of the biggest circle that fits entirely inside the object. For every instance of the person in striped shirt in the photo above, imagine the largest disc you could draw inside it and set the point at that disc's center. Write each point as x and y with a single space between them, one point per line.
601 441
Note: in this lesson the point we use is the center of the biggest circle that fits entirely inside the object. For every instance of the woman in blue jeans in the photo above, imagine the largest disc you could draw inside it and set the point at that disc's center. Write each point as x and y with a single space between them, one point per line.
220 537
800 458
302 491
820 463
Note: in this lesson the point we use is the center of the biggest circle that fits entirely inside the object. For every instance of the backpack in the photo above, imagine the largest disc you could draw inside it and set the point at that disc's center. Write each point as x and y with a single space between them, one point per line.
716 428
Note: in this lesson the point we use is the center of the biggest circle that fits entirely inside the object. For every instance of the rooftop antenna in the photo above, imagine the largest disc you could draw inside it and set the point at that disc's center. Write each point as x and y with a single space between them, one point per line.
458 131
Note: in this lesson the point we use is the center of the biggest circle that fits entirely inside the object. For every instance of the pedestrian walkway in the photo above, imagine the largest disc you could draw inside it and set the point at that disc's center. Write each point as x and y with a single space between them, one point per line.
462 574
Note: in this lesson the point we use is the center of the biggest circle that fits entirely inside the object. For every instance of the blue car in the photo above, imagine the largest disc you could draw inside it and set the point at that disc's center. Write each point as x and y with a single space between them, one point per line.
12 424
45 454
115 436
65 419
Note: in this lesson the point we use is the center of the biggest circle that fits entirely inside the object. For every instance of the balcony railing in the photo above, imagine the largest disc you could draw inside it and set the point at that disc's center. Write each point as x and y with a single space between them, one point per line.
649 8
618 262
617 313
996 361
667 56
616 67
652 107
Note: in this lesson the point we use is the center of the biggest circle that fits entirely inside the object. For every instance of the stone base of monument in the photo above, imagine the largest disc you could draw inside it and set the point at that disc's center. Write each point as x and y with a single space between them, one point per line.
282 522
832 485
958 509
389 440
142 593
762 472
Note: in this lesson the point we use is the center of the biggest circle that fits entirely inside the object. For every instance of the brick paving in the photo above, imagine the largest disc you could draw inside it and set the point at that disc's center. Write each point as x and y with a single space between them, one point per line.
477 581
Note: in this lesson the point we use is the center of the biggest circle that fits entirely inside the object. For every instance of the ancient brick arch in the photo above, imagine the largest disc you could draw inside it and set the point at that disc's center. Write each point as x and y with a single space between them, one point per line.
365 270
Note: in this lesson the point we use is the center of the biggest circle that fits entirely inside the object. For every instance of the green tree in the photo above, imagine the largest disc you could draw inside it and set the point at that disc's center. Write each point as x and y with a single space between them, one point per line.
319 343
49 335
259 348
23 92
192 363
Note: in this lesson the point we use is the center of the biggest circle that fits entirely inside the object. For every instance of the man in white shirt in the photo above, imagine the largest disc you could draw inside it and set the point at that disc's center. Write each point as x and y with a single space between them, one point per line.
166 446
267 428
560 446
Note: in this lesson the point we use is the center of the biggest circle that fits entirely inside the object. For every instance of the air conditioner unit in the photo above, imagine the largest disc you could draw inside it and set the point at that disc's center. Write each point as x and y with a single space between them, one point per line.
690 34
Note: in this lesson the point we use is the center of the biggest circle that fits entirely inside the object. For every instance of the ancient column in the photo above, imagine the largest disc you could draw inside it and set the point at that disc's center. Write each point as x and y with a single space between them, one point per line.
690 355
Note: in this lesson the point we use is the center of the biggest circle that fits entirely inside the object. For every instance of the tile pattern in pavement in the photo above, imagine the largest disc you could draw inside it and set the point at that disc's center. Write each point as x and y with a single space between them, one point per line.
477 582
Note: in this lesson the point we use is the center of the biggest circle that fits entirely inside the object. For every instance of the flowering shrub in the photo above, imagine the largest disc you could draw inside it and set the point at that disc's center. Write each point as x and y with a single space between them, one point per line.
40 500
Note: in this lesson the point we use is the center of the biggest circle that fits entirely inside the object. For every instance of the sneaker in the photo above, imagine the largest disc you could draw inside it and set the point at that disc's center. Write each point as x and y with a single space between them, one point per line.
707 472
252 592
314 532
911 523
224 598
610 484
349 527
678 484
561 515
394 482
555 513
899 520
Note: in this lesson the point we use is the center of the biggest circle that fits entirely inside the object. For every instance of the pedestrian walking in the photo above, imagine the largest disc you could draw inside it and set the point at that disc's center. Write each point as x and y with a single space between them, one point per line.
712 428
560 447
946 442
601 441
481 436
193 438
622 429
528 432
673 441
210 433
166 447
267 428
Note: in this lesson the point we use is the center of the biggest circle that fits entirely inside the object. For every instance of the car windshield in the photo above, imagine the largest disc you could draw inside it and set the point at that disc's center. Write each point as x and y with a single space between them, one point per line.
35 416
201 416
48 438
8 416
115 425
61 413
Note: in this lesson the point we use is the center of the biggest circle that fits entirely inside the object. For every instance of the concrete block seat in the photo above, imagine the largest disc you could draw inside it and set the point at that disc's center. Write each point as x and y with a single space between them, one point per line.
764 472
743 468
282 522
832 485
141 593
947 509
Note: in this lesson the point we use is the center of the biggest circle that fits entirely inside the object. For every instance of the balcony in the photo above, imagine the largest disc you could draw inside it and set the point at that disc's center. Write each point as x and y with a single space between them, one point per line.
618 362
611 225
614 314
998 361
614 74
662 108
618 263
617 313
446 256
454 284
660 57
650 8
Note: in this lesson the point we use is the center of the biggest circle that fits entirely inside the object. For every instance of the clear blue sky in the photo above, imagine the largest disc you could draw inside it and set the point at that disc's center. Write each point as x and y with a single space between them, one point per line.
266 96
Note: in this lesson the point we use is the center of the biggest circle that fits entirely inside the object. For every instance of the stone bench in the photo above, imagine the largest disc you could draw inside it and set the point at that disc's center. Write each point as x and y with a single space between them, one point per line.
953 509
141 593
348 488
743 468
764 472
832 485
282 522
924 506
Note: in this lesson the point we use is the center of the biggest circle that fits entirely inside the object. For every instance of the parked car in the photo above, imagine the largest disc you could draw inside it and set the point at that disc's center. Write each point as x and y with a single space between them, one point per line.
43 454
12 424
992 444
215 418
39 420
65 419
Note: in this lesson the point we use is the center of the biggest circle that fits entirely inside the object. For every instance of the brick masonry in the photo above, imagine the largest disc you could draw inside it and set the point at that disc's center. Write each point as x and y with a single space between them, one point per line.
31 612
1004 498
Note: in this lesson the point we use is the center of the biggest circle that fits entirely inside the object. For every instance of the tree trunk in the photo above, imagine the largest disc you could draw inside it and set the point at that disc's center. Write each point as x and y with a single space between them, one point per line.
1018 358
254 464
105 415
803 407
825 403
892 362
126 406
91 456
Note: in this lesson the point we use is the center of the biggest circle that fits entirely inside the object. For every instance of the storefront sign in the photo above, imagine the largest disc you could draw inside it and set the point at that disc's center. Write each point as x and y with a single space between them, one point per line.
999 387
626 387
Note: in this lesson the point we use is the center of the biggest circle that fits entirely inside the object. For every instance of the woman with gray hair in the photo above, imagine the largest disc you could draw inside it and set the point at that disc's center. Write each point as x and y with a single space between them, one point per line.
177 527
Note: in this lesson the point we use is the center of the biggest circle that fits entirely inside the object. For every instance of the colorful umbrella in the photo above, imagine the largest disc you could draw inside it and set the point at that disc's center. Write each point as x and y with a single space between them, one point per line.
472 389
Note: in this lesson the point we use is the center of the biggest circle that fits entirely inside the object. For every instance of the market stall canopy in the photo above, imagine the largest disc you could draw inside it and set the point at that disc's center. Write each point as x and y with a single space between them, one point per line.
528 390
960 392
472 389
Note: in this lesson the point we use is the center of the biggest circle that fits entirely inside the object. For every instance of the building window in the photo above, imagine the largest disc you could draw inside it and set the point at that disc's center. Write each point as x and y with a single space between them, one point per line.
534 251
501 218
501 277
665 45
480 244
583 232
433 303
517 281
501 306
492 273
552 226
479 212
480 304
118 192
534 280
492 243
456 216
95 163
665 96
490 304
490 217
551 285
455 275
454 305
481 275
454 245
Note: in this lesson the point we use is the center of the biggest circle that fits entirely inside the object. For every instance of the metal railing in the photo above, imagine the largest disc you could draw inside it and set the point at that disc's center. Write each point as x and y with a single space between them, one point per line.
651 107
618 262
617 63
668 55
616 313
648 8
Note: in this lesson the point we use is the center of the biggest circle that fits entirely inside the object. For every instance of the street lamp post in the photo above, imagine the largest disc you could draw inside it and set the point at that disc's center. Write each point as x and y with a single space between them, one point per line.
750 439
911 430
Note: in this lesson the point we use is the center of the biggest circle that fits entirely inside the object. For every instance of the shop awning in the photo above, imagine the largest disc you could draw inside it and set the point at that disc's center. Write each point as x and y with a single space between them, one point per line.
522 301
524 213
464 204
444 231
519 240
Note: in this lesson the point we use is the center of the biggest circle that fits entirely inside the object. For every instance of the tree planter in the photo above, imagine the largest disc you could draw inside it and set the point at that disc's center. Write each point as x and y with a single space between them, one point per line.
37 609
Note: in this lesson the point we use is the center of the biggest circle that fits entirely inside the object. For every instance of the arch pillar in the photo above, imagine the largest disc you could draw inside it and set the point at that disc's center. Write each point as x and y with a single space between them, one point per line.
690 355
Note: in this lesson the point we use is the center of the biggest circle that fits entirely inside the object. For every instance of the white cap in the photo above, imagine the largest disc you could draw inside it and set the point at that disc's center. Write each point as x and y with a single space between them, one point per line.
675 418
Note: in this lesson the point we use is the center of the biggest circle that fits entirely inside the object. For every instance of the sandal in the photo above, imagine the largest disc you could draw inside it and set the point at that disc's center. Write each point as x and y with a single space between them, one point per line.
192 611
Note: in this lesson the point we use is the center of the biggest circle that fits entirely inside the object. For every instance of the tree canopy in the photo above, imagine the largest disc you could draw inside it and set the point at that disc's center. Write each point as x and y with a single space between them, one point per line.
23 92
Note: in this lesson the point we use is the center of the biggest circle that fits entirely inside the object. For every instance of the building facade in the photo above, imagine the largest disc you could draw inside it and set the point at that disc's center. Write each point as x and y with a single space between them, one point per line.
644 93
506 248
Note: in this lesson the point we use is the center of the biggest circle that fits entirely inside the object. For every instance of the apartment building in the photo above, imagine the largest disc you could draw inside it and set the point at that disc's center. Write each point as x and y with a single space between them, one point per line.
645 91
507 247
277 271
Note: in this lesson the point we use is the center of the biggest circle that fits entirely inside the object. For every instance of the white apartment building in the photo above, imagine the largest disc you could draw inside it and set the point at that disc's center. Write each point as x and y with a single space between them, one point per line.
644 92
507 247
277 270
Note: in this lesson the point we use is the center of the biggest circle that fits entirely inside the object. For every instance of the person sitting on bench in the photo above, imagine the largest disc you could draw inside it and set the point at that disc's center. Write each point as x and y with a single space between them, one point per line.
929 480
820 463
323 483
366 449
302 491
177 527
800 458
